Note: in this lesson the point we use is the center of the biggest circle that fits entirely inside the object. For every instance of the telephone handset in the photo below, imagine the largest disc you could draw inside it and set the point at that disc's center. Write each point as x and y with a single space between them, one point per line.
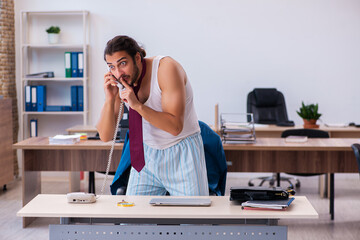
81 197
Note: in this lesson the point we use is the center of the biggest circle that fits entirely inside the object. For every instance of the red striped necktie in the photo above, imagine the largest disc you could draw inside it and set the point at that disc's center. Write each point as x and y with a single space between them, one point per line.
135 130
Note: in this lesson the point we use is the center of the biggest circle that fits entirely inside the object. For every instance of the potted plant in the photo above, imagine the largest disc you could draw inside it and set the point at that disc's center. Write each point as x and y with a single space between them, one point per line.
309 113
53 34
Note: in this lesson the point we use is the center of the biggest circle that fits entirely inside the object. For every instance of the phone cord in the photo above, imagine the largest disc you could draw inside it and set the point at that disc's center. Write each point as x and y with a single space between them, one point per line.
112 148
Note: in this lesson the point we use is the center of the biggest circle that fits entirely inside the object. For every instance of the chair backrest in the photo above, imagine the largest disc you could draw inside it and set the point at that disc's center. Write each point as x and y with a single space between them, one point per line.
216 166
356 148
267 106
310 133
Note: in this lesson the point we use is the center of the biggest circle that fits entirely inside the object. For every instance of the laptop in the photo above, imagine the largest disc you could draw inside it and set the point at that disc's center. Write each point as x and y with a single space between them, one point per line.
167 201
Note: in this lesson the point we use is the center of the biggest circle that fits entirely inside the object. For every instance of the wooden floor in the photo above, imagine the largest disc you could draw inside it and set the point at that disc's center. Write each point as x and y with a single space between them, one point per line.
345 226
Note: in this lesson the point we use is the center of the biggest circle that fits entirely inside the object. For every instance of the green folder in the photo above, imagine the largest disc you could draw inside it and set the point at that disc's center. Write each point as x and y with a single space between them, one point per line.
67 64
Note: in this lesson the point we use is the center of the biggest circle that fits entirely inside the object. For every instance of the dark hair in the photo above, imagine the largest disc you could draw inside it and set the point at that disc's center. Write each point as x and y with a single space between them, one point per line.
124 43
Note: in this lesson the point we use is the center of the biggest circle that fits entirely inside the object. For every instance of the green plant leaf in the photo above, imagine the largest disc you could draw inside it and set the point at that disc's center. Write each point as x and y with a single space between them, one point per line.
309 111
53 29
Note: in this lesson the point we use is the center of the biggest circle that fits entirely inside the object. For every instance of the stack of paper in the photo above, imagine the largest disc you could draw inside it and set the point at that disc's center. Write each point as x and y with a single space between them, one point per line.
237 128
296 139
64 139
267 204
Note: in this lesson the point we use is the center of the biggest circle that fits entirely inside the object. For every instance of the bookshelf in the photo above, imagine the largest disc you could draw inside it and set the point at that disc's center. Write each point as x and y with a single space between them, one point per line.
37 55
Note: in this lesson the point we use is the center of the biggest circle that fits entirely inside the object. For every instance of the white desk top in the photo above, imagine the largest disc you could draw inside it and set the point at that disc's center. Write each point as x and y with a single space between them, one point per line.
55 205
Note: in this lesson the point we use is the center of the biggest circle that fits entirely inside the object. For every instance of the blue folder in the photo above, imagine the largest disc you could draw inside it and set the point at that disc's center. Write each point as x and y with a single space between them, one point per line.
27 98
80 98
41 98
74 64
57 108
33 98
33 128
80 64
74 98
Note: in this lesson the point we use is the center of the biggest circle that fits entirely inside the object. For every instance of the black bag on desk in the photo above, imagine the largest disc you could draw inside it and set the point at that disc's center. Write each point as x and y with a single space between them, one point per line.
243 194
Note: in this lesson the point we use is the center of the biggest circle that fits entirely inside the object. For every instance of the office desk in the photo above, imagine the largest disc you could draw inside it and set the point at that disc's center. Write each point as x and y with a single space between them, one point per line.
334 132
332 155
105 210
38 155
261 131
317 155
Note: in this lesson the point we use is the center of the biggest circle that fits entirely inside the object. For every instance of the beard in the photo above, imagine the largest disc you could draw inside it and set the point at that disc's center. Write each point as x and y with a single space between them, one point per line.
135 76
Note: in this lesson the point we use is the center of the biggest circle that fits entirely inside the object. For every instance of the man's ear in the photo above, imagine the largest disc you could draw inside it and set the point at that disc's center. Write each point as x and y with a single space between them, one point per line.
138 58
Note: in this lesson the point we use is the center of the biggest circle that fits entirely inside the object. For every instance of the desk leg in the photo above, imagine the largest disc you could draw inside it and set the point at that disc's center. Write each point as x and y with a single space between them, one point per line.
74 181
31 183
92 182
332 195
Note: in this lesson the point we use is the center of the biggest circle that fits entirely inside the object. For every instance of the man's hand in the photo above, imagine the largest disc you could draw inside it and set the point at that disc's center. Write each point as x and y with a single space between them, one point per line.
110 88
128 95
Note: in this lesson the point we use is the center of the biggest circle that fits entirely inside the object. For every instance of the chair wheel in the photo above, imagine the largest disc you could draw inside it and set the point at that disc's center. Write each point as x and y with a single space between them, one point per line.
297 184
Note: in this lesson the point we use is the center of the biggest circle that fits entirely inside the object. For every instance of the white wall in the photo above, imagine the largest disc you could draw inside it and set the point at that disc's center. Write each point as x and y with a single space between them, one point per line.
309 49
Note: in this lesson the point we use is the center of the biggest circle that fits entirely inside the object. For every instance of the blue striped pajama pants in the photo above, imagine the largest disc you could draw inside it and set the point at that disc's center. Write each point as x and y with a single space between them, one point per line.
179 170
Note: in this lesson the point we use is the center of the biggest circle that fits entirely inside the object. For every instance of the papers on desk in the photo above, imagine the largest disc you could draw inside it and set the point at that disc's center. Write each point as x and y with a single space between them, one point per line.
237 128
296 139
267 204
258 125
64 139
341 125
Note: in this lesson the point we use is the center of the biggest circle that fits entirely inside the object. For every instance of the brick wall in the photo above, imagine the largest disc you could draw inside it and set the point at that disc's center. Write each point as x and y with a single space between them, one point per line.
7 64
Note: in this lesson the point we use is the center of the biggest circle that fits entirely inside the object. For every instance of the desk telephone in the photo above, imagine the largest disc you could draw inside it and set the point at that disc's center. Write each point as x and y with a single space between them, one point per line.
82 197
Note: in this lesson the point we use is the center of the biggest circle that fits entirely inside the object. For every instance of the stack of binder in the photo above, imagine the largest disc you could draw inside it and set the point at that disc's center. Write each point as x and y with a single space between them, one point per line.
237 128
267 204
35 98
74 64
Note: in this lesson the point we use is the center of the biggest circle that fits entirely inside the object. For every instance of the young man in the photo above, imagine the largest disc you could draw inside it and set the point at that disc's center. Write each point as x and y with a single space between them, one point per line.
172 147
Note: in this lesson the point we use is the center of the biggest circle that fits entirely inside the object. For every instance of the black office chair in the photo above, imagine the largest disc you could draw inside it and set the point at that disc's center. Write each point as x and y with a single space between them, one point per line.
356 148
310 133
268 107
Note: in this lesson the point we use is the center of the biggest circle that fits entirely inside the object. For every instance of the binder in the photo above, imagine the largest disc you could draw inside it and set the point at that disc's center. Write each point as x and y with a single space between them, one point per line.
67 64
74 98
33 128
74 64
41 75
57 108
33 98
41 98
267 204
27 98
80 98
80 64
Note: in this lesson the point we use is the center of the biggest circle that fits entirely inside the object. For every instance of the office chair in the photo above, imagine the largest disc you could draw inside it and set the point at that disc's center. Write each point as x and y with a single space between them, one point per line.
268 107
310 133
356 148
214 157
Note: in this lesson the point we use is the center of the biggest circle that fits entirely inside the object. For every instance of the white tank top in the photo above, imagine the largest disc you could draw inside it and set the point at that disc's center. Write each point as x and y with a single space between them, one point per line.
160 139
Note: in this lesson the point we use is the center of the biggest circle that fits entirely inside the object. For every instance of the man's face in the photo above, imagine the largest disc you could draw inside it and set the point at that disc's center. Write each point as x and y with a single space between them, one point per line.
123 66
